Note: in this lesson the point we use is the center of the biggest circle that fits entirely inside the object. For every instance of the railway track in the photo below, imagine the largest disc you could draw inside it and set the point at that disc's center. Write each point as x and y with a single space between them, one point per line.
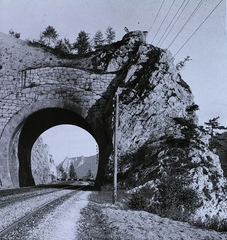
34 192
41 209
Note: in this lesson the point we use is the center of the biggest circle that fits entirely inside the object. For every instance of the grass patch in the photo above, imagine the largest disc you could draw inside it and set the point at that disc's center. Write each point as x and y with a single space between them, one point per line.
105 196
94 224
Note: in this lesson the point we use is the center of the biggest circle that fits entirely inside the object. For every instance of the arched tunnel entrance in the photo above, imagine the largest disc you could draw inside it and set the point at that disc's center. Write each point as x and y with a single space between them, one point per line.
64 152
34 126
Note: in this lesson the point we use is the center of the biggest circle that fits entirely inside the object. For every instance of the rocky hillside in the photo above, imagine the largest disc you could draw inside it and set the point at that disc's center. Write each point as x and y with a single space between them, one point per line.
42 163
81 165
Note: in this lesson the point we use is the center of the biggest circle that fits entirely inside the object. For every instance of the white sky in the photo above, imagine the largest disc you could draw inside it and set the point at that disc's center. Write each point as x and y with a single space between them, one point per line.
205 74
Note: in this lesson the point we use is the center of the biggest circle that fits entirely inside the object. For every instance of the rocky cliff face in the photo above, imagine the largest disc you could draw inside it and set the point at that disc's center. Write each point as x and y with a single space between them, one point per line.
42 163
220 144
158 136
151 95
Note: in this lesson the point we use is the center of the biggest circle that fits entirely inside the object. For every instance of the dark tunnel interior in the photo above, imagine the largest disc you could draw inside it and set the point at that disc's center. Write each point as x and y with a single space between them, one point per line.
33 127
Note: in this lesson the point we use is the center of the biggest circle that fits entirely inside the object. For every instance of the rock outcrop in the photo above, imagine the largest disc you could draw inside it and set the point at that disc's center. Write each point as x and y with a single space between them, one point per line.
158 135
42 163
219 143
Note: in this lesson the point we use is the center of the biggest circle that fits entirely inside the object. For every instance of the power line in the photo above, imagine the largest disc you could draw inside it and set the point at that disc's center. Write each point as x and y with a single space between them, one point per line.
174 23
163 20
187 21
156 16
171 21
198 28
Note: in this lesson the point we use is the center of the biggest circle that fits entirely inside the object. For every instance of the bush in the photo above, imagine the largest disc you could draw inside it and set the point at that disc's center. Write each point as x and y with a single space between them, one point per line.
213 223
140 200
175 200
172 200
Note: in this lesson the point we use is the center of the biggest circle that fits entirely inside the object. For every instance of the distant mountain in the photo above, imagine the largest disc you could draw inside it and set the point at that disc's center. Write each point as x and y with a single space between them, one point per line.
81 165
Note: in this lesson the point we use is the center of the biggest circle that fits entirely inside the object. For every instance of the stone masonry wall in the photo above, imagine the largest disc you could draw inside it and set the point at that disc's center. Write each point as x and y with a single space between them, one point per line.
29 86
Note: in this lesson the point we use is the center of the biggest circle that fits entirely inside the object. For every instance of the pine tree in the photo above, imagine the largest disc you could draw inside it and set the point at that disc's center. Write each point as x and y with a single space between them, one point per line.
213 124
63 173
63 45
72 172
181 64
82 44
49 36
89 174
98 39
110 35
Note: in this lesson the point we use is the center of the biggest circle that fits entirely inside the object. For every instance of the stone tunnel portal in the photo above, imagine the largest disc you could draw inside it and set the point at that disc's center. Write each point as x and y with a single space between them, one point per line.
26 125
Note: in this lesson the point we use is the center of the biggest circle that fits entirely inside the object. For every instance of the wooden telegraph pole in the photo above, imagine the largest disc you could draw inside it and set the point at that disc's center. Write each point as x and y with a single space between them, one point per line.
115 148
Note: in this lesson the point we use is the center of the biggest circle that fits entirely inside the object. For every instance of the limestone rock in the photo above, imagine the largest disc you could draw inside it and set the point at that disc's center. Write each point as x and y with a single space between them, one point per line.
81 165
42 163
158 134
219 143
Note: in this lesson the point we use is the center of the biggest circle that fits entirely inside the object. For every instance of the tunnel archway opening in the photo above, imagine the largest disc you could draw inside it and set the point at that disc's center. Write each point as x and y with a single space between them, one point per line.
34 126
64 152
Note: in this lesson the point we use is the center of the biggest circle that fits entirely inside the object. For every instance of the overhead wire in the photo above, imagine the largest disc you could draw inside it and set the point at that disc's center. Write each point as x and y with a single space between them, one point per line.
187 21
198 28
174 22
163 21
156 16
171 22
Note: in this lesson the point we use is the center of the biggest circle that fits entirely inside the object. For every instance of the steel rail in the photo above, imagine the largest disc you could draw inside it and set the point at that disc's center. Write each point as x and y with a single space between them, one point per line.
30 195
12 226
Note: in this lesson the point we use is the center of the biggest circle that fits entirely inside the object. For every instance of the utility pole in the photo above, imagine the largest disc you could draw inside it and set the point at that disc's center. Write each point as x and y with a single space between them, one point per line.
115 148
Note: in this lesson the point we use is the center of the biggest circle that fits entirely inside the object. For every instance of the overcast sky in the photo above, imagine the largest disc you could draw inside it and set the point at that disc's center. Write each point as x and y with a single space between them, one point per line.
206 73
69 141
